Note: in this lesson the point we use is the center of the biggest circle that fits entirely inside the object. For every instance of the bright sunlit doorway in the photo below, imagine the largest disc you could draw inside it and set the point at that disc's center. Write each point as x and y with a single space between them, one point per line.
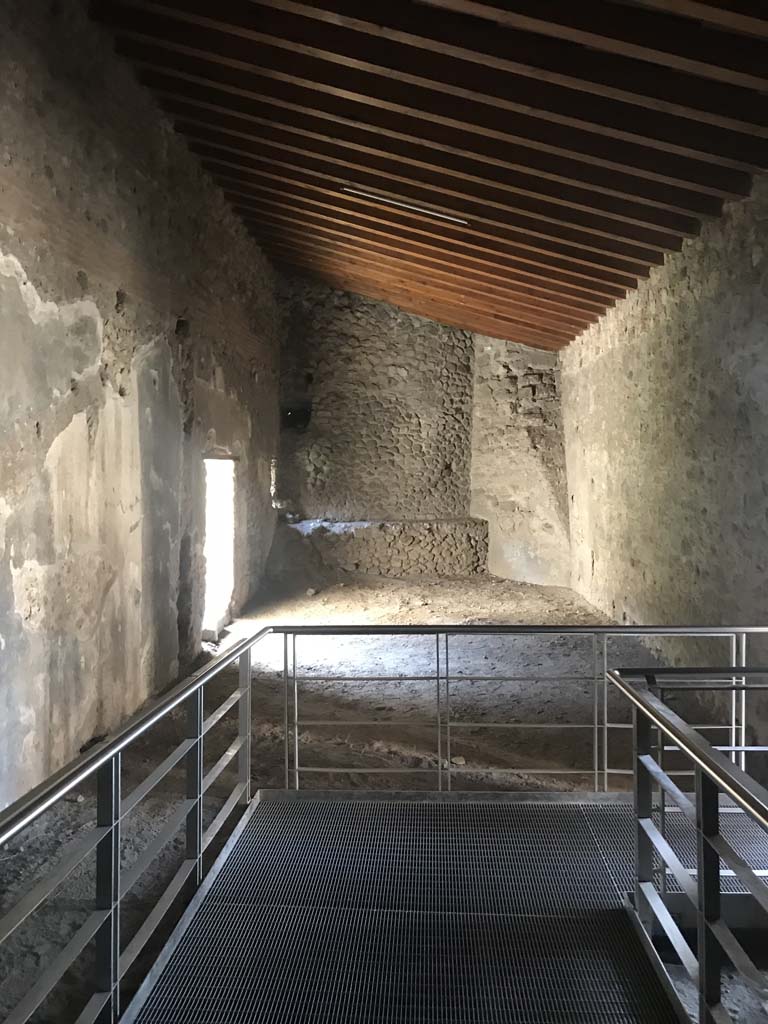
219 547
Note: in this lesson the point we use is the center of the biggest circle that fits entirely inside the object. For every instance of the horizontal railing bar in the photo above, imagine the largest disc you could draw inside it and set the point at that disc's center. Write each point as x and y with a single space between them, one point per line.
25 810
223 709
670 858
92 1012
226 758
720 747
628 725
739 957
367 771
57 968
743 789
525 771
519 725
145 788
728 873
155 916
459 677
210 833
715 670
671 930
662 779
130 876
72 857
709 688
454 724
415 722
452 629
38 800
749 877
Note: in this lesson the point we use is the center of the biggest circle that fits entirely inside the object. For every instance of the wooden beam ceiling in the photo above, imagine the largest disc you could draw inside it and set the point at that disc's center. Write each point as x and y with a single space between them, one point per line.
511 166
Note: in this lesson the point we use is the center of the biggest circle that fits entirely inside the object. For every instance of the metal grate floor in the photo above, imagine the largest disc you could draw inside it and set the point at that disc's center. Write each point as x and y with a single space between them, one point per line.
412 913
613 827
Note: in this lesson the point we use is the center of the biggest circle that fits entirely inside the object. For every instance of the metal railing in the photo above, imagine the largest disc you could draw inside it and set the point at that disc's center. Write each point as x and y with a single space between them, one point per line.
103 764
714 775
113 883
601 769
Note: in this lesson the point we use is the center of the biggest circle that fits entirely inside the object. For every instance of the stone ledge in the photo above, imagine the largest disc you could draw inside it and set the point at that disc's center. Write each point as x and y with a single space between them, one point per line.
419 547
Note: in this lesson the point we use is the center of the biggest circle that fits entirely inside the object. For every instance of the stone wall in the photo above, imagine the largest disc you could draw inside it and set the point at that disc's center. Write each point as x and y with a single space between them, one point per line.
518 462
391 410
452 547
666 432
137 330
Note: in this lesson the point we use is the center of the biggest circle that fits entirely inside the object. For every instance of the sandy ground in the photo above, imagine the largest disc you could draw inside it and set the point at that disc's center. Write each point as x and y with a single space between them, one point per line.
544 682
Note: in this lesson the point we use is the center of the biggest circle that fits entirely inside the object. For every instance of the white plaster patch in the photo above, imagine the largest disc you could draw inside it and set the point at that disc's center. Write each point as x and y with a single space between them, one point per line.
43 311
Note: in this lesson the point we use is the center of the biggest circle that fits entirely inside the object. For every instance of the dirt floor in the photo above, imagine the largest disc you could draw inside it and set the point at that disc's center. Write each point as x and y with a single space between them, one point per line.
545 683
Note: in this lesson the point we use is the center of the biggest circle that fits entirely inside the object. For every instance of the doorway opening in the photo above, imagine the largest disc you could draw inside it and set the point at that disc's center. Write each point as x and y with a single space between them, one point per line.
219 549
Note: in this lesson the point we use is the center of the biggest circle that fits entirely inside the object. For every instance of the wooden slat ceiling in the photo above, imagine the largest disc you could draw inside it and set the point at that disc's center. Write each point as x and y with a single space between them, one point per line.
545 154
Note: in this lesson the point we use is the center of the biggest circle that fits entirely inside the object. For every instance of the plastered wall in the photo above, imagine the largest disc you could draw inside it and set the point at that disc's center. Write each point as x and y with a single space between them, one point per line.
138 330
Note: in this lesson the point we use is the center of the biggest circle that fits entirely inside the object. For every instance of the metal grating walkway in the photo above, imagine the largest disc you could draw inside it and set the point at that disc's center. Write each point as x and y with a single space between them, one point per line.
357 912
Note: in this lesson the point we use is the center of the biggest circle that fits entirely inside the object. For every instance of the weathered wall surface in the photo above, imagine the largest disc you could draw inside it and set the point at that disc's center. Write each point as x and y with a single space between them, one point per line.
137 330
518 462
667 435
391 393
443 547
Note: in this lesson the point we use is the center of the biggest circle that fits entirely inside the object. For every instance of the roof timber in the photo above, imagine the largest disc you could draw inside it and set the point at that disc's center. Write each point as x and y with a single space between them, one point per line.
570 146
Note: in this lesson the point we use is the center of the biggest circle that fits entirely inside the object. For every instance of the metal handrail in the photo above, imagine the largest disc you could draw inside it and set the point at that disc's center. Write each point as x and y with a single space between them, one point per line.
40 799
742 788
102 762
714 775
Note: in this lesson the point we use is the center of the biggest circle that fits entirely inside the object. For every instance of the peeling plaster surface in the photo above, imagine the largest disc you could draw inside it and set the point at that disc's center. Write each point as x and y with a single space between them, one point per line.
138 330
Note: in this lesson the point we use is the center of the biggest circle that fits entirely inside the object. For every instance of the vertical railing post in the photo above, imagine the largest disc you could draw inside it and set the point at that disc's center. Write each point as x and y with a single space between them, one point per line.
448 713
286 715
439 716
245 726
605 713
296 761
742 662
108 800
734 730
194 767
708 875
596 716
643 809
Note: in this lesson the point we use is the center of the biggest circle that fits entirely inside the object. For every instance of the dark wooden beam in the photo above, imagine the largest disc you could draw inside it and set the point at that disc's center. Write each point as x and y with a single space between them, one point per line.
453 314
549 61
618 267
563 204
313 244
398 283
628 30
202 78
340 75
441 262
431 189
460 244
747 17
551 115
462 259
